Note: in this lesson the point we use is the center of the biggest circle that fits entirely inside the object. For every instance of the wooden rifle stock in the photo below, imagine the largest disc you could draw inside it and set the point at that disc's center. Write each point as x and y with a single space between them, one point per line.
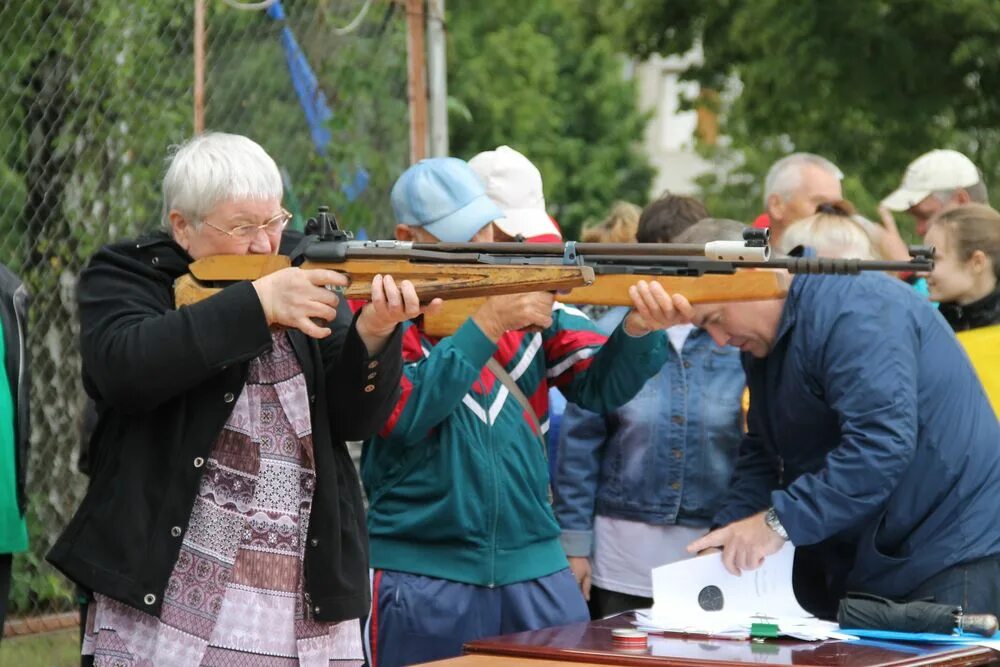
461 272
431 280
612 290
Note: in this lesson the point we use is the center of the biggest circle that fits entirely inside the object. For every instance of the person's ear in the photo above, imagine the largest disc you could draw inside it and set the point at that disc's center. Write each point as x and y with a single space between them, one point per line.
961 197
978 262
775 207
182 228
405 233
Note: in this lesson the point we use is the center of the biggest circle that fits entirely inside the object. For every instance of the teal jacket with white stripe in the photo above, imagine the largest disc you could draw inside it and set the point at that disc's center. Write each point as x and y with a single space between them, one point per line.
457 479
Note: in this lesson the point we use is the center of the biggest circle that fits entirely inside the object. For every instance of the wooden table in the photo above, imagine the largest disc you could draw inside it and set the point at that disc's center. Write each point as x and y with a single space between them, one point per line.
483 660
590 643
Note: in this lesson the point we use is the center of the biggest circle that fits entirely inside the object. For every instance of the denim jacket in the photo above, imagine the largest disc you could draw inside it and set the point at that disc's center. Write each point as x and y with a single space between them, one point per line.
665 457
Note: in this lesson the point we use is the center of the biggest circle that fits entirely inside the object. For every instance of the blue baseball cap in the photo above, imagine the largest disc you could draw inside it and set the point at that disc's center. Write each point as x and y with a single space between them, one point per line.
444 196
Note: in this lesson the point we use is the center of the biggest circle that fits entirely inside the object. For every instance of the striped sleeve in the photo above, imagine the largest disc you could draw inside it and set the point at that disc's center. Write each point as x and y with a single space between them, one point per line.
436 376
594 371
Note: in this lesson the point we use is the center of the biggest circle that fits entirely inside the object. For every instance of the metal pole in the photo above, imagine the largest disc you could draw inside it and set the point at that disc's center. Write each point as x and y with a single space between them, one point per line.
199 66
417 85
437 73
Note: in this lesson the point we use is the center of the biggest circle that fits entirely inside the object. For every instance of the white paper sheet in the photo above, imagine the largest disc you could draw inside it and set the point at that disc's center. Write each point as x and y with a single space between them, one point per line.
699 596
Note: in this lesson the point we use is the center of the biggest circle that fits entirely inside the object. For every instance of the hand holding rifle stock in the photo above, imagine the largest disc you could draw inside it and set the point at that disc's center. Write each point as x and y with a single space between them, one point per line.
597 273
512 312
298 299
303 300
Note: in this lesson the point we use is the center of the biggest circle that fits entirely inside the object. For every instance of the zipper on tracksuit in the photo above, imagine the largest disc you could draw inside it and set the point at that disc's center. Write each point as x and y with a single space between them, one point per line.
496 497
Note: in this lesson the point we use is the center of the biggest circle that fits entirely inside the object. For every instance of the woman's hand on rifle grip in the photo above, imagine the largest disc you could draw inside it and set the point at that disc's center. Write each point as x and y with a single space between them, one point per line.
299 298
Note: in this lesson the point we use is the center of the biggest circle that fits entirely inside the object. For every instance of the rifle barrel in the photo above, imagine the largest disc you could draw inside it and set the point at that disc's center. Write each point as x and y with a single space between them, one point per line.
728 249
719 257
334 251
696 266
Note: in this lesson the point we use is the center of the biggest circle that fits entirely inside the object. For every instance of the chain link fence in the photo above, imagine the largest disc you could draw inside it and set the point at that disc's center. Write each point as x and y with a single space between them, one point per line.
93 93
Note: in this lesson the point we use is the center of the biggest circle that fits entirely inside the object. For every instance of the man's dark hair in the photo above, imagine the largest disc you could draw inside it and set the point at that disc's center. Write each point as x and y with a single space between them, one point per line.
712 229
662 220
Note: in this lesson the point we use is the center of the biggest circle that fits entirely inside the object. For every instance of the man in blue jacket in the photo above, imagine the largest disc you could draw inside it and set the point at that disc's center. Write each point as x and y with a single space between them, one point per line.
870 441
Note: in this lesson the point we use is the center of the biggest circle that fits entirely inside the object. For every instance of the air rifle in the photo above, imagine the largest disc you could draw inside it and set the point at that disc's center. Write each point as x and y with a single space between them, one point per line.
583 273
450 270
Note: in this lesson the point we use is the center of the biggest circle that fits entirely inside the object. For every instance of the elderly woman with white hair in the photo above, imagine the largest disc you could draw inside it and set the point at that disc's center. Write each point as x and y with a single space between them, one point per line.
224 522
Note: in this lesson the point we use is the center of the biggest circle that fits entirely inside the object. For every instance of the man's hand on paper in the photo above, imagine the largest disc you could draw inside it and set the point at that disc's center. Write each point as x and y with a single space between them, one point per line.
745 544
581 570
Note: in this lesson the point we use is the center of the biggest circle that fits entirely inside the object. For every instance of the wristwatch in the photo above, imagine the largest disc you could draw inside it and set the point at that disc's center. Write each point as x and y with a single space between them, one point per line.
772 521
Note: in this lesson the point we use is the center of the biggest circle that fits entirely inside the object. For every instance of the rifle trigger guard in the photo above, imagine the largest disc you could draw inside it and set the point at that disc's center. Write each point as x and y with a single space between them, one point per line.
569 254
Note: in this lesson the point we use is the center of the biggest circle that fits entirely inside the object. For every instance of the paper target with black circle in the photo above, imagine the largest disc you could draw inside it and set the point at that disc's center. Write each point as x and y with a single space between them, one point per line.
710 598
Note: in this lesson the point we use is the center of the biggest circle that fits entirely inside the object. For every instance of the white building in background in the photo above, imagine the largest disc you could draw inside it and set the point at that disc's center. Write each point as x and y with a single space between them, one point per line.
670 134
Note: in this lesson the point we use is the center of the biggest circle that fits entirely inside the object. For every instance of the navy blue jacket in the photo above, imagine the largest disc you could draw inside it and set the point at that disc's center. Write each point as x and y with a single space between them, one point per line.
868 425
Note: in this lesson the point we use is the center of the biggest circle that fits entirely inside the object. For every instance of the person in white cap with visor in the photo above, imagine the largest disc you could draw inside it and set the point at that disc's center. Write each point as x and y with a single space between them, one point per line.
515 185
935 181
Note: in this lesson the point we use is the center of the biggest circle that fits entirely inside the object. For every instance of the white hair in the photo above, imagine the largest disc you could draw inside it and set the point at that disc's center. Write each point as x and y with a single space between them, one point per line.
216 167
785 176
831 236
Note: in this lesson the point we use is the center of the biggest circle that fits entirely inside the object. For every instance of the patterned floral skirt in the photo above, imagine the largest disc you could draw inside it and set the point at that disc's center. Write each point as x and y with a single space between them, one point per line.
235 597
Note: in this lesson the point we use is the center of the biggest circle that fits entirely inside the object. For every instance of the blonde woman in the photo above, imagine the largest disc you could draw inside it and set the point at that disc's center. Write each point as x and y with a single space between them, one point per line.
833 231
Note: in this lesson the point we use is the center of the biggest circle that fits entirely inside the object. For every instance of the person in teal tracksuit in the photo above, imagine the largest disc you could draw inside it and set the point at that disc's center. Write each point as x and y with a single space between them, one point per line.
464 543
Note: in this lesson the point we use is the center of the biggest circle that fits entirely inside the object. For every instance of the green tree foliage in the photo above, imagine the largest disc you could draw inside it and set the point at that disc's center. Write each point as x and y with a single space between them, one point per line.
80 157
363 78
539 76
868 84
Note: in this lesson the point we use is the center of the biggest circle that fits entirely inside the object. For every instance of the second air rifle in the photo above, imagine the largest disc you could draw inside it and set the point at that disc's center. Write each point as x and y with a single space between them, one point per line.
583 273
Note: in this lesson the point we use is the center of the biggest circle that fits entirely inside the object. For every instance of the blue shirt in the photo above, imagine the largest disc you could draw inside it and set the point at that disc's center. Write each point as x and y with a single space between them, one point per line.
663 458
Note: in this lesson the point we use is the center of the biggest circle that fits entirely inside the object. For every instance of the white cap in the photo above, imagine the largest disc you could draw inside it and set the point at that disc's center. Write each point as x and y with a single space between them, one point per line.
931 172
515 185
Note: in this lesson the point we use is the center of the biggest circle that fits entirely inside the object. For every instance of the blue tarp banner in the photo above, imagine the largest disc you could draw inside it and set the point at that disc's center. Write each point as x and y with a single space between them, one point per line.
313 100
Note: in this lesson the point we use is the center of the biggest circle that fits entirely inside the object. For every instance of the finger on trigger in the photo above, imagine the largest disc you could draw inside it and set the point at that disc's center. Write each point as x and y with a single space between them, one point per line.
311 329
324 277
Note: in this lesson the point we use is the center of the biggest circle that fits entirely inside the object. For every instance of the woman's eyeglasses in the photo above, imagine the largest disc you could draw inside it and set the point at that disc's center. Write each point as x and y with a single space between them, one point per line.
248 232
